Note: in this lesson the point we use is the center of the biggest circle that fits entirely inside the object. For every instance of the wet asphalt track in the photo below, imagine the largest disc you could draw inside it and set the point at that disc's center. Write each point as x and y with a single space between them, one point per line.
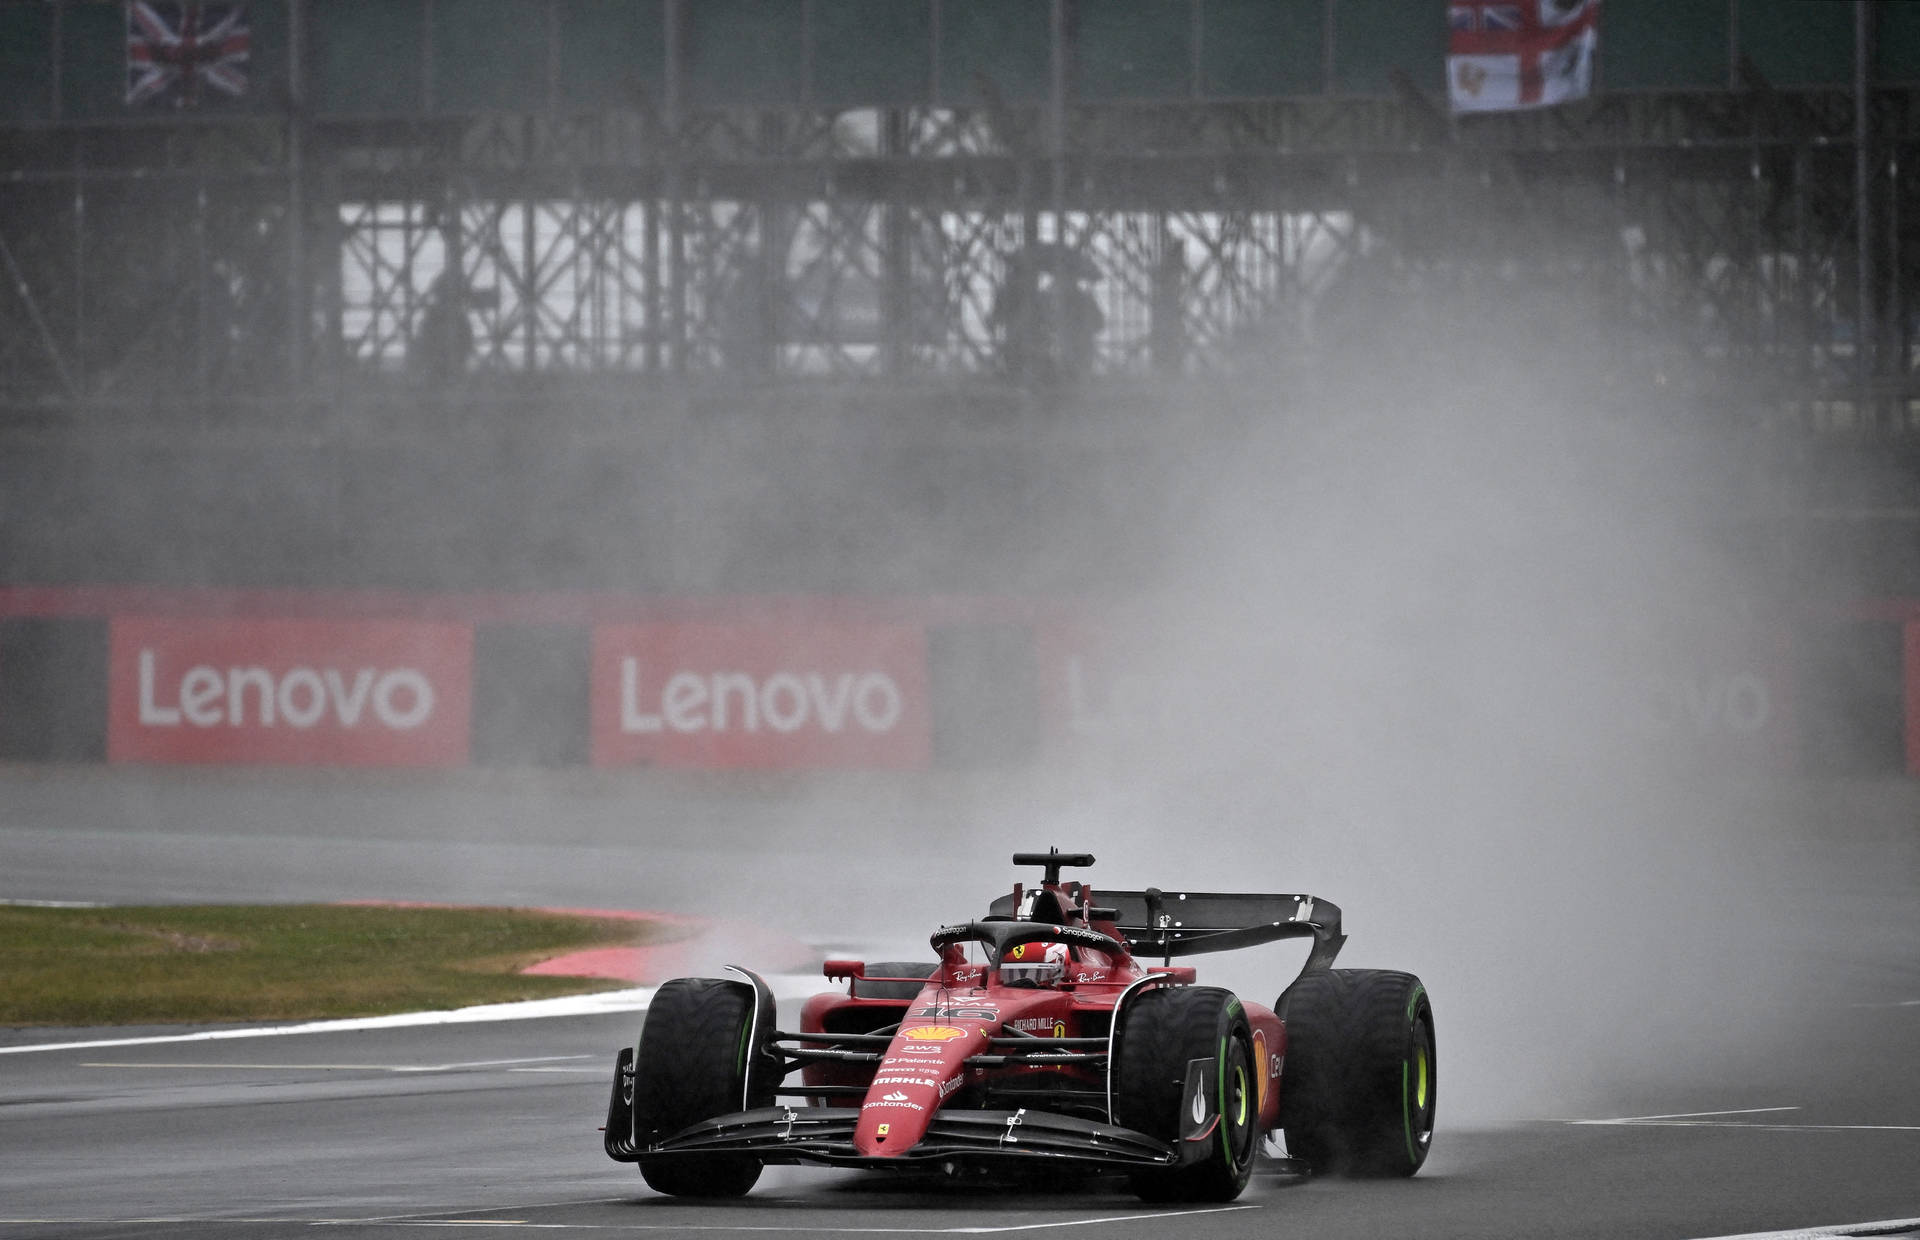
492 1127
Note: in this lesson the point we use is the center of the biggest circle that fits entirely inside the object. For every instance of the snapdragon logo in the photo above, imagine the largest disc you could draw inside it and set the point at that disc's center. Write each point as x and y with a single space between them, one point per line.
301 697
785 702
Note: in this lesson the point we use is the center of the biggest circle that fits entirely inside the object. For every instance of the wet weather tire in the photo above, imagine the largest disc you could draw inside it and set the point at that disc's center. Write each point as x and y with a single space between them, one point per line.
1358 1088
692 1065
1166 1036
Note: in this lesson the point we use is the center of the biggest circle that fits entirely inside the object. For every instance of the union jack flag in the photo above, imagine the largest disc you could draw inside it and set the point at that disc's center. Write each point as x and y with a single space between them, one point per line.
174 50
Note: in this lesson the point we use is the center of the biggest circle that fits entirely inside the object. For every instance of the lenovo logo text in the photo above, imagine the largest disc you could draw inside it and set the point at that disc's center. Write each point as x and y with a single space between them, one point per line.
783 702
285 691
806 691
300 697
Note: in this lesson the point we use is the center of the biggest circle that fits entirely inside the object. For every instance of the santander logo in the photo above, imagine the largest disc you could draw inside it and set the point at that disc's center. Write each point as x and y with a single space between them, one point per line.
806 691
301 692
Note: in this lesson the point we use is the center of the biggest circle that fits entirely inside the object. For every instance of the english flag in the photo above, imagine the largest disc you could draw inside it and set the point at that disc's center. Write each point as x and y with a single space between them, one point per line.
1503 55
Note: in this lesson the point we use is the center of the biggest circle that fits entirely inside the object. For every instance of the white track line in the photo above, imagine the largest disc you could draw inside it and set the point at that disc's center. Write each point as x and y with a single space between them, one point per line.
784 985
1889 1227
1087 1222
488 1223
52 903
1679 1115
573 1005
1708 1119
508 1064
1679 1123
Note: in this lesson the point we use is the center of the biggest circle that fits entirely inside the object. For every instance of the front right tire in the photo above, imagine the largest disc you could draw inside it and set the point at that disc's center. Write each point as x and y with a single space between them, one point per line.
1163 1033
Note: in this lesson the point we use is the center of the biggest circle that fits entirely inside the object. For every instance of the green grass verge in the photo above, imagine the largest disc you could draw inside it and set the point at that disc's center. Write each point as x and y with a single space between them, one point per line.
216 963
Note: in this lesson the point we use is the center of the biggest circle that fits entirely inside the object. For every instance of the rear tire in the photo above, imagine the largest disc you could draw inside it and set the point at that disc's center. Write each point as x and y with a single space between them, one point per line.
1162 1032
693 1064
1358 1089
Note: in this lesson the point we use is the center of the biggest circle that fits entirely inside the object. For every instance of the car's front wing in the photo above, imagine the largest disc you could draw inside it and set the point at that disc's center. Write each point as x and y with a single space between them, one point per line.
787 1134
781 1134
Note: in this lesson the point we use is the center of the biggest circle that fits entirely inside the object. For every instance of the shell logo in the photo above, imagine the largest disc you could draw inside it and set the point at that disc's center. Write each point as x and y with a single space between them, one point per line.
933 1033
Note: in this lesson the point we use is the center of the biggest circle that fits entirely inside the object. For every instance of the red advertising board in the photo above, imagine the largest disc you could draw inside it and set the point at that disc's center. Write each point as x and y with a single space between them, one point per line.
787 694
1689 696
292 692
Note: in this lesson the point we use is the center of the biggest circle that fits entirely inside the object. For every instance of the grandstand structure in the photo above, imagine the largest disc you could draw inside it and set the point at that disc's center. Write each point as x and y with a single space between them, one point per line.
538 201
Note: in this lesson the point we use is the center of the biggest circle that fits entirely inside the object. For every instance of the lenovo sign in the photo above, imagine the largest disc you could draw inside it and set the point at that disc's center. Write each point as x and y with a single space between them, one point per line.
307 692
760 695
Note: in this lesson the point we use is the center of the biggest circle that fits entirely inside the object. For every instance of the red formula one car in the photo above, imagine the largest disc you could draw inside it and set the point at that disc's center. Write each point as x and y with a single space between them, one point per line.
1039 1040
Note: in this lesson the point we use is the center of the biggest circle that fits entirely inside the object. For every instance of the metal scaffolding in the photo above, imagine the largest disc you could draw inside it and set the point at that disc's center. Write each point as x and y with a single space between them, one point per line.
279 263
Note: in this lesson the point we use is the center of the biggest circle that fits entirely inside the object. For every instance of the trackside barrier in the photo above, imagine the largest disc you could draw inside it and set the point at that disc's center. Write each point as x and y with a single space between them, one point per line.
349 679
374 678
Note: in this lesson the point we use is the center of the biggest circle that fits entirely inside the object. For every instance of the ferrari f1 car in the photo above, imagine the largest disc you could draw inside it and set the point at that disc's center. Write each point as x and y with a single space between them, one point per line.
1039 1039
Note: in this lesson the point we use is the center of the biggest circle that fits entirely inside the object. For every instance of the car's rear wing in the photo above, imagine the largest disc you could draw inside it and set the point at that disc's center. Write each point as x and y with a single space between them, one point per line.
1186 923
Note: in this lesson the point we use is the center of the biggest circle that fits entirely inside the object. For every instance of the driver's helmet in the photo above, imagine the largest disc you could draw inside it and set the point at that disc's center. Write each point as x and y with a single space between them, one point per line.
1033 964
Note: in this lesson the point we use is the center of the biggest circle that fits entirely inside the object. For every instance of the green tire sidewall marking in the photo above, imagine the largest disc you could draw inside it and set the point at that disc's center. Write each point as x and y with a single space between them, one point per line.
1227 1130
1406 1110
1406 1092
1226 1137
